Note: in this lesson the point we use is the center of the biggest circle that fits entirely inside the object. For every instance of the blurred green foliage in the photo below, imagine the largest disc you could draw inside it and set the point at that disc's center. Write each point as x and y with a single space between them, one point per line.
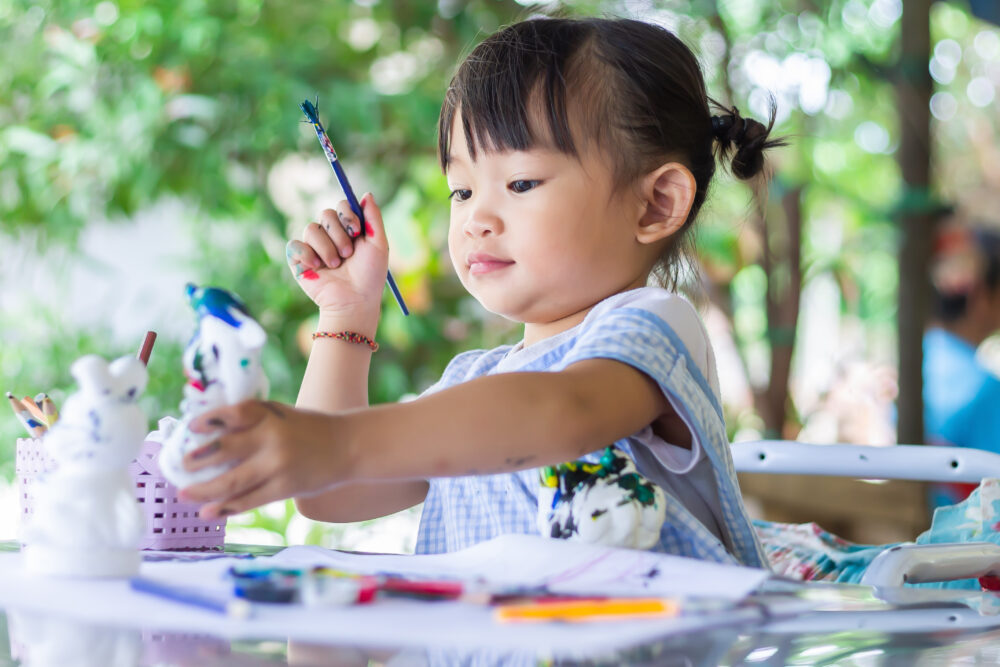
107 108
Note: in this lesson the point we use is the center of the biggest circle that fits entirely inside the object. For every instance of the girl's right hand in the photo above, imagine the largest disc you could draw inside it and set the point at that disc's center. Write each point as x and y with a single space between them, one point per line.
340 265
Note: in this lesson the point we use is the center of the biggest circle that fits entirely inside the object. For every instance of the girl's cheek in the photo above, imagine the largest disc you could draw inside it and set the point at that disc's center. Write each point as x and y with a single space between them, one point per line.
454 252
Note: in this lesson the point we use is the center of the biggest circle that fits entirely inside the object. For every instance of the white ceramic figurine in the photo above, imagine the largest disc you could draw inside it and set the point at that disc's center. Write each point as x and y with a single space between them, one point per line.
86 521
222 364
606 503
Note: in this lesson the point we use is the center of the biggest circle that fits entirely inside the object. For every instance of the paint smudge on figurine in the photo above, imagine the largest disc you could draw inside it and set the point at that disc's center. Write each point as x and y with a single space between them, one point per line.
222 364
86 521
606 503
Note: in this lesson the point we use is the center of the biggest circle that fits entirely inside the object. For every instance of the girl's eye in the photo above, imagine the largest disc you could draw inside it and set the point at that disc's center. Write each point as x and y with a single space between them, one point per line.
523 185
460 195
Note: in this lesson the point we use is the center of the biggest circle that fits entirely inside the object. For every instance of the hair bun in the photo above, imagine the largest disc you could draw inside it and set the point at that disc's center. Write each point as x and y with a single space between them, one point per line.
748 136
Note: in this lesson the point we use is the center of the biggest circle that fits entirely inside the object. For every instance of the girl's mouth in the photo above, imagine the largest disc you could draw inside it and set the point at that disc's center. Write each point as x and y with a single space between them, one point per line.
480 263
487 266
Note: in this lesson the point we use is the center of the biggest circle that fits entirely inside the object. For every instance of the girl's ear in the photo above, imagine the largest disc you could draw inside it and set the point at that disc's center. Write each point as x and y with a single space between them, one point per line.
668 193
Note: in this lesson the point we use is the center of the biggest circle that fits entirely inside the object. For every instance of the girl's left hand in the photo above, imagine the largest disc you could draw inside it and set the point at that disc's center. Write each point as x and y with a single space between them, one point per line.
275 451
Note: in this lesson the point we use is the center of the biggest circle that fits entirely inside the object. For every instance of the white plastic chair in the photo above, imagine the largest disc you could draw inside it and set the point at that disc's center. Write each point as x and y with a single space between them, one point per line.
906 563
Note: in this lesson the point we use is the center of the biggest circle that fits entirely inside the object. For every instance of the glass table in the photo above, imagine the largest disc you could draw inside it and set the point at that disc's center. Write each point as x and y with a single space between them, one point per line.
721 646
853 626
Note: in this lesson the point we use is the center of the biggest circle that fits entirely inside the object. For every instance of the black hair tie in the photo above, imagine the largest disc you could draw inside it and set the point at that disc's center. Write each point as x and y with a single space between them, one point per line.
721 126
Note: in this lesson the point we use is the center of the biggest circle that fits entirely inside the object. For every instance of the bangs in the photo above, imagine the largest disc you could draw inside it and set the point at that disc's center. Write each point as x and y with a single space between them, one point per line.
511 92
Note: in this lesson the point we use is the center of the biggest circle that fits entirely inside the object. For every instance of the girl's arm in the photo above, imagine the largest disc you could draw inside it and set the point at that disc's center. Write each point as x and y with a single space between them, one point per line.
336 379
342 269
336 376
492 424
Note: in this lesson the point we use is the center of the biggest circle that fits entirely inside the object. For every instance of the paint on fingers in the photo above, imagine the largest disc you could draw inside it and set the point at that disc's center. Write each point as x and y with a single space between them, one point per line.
368 198
347 222
295 254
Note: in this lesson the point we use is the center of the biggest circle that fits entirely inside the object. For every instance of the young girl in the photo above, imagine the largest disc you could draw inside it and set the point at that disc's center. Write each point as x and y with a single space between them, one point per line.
578 153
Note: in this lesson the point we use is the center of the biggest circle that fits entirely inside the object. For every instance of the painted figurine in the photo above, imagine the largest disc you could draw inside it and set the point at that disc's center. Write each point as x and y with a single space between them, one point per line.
606 503
86 520
222 365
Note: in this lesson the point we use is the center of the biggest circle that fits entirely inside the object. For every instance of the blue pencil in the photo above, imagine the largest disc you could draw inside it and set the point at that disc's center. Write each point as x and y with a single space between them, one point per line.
233 607
312 113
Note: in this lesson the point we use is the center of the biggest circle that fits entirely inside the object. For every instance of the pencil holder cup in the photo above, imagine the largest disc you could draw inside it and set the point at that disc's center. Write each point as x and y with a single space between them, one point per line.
170 522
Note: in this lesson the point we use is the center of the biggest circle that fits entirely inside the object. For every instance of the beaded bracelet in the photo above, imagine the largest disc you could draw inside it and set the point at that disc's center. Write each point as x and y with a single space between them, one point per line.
348 336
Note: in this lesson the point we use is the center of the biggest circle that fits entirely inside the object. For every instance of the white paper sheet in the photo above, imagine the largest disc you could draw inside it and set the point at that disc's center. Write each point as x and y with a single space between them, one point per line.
400 623
568 567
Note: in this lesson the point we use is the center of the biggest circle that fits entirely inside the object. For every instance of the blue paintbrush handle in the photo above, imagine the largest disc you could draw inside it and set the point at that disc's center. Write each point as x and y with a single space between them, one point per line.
313 115
230 606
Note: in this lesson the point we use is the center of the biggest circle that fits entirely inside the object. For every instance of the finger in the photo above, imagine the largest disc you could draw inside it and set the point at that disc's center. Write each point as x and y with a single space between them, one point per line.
302 260
322 244
231 418
336 225
232 483
260 495
374 227
348 220
208 455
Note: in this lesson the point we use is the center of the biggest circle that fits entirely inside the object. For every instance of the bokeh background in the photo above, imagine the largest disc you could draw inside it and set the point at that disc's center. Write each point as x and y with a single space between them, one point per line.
147 144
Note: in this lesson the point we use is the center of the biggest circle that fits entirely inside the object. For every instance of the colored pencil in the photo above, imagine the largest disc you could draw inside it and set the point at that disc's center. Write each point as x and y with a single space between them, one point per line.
230 606
578 611
312 113
34 429
34 409
49 410
147 347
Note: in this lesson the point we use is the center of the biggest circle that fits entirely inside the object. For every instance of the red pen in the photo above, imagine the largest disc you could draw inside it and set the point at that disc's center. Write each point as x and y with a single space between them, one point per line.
428 589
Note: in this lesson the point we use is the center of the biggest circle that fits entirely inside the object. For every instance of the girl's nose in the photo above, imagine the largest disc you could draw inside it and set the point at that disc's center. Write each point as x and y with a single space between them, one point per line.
481 223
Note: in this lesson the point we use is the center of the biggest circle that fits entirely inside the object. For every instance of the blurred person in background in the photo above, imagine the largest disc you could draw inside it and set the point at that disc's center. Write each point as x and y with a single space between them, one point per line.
962 395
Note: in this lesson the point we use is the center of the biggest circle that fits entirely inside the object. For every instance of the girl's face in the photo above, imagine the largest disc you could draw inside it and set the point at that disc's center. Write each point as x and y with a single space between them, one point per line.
539 236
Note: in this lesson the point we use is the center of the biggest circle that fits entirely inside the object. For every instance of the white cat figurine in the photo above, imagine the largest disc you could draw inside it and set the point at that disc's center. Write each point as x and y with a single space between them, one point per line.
222 364
87 521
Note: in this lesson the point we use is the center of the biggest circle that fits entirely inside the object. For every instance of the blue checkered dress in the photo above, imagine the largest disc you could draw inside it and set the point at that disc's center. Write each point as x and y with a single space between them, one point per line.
462 511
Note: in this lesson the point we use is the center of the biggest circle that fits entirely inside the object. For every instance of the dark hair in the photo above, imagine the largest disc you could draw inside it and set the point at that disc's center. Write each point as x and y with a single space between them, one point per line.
632 87
951 304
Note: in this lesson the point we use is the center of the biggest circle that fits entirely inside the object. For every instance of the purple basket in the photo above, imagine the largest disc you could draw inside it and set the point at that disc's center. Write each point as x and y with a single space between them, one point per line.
170 523
173 648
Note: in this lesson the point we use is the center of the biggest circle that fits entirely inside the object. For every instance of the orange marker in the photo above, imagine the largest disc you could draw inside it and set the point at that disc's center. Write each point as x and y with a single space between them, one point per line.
579 611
